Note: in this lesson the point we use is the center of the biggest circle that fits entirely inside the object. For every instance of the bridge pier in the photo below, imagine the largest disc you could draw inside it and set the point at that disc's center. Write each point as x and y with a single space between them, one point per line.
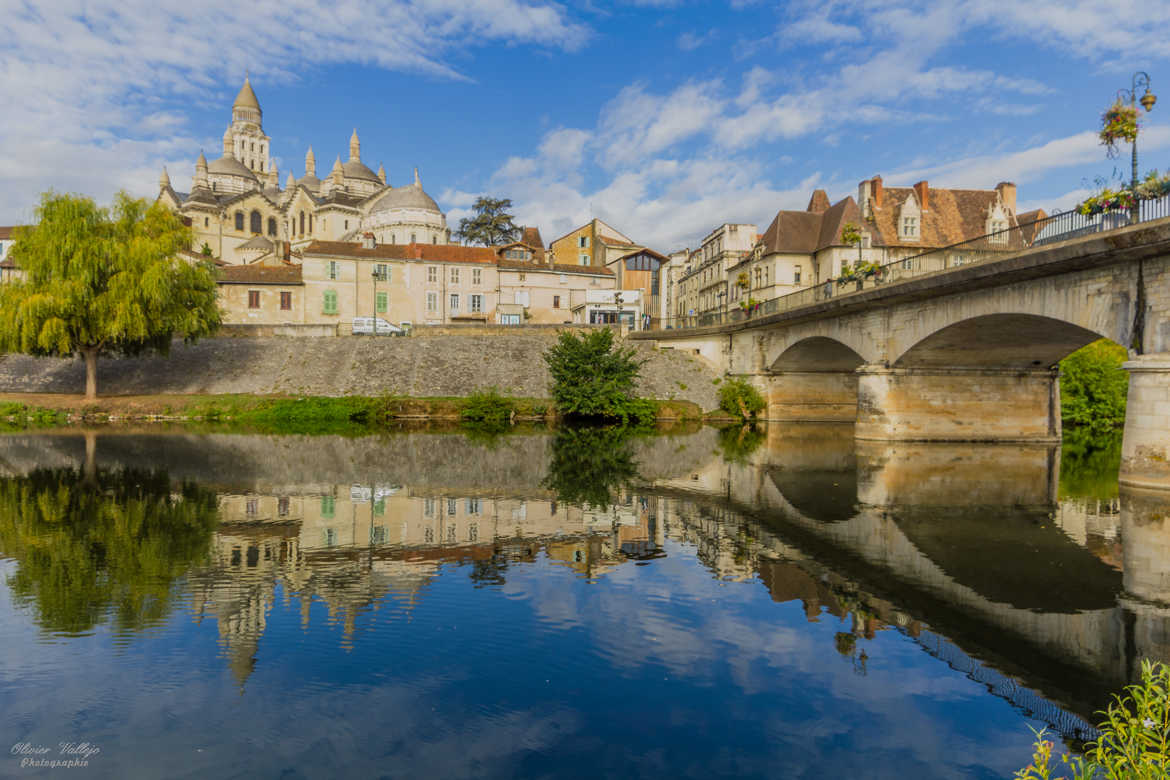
957 404
812 396
1145 445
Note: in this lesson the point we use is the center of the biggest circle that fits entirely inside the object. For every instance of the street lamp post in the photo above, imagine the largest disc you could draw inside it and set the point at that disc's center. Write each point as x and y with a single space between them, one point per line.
1141 80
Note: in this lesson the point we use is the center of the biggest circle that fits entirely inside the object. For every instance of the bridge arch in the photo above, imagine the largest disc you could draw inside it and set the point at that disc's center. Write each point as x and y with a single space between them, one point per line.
1025 342
814 379
818 354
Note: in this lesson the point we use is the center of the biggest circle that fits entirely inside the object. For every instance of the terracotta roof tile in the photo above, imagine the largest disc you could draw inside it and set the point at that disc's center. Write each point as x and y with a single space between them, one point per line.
559 268
260 274
951 216
531 236
819 202
6 232
441 253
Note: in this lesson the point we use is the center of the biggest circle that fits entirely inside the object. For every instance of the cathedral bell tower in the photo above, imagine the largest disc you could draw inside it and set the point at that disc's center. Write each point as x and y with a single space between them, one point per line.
249 144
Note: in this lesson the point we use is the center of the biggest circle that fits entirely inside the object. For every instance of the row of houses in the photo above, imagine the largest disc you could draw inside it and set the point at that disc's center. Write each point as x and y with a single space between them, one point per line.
594 274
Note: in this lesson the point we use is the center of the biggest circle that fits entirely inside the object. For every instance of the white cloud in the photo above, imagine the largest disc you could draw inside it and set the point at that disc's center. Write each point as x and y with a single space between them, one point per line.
89 89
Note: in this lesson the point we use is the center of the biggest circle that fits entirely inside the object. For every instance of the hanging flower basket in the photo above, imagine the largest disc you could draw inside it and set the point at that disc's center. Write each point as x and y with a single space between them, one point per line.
1119 124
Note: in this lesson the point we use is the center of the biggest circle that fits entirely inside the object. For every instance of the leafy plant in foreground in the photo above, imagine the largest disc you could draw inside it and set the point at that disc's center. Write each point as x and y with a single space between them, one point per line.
1135 737
738 397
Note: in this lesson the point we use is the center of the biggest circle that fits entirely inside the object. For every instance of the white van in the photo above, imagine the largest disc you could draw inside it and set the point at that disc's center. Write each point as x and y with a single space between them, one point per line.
365 326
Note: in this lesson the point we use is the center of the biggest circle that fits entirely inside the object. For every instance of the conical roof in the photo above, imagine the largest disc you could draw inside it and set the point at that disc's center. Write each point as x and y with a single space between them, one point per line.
246 98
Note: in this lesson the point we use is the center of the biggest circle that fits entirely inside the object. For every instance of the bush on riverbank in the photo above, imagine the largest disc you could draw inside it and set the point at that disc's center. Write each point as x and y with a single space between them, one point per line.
1093 387
1135 737
738 398
488 407
593 378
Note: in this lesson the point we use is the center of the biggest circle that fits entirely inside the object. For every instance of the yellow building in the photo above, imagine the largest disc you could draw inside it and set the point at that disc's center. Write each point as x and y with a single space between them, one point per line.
594 244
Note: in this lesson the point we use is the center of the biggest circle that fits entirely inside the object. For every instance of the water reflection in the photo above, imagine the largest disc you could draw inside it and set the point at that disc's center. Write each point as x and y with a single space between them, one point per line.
1038 585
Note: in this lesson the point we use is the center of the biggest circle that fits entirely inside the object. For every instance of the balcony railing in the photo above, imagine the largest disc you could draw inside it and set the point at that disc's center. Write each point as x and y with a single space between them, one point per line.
993 247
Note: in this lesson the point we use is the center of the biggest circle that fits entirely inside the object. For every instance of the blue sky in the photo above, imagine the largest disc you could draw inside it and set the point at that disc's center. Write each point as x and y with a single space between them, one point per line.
663 117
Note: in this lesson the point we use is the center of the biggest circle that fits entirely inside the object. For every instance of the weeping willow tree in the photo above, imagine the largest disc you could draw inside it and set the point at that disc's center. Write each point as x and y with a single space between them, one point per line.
101 545
100 281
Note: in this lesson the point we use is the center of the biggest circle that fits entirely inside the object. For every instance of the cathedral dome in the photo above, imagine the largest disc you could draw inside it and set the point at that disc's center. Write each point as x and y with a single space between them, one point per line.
230 166
355 169
408 197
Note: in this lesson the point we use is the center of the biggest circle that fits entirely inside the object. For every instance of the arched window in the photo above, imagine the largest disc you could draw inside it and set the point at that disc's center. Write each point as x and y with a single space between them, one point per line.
256 222
302 223
239 220
272 226
434 239
310 223
412 238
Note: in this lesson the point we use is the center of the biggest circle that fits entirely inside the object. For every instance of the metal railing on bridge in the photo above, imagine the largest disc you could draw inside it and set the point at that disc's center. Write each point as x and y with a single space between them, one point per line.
992 247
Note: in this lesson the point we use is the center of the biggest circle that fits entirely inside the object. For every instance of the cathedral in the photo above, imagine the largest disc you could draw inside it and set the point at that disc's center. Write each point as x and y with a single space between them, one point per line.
241 215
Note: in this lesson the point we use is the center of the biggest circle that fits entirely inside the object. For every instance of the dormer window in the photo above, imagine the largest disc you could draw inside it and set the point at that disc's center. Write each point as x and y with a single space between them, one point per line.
910 227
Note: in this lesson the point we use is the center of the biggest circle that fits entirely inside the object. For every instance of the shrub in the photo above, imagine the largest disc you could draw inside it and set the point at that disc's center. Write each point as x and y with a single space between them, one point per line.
488 407
738 397
591 465
1135 737
1093 386
594 378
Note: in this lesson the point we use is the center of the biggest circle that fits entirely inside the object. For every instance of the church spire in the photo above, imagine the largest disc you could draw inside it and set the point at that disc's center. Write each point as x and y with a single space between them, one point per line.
382 173
290 182
164 179
337 175
200 172
310 163
417 183
246 107
227 143
355 147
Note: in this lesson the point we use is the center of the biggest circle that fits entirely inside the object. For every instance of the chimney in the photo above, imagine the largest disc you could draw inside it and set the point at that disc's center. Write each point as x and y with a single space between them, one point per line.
368 241
922 192
864 190
1007 194
877 191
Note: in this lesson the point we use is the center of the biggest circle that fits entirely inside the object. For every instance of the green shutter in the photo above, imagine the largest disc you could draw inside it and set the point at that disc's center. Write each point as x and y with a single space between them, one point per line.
381 303
330 302
327 507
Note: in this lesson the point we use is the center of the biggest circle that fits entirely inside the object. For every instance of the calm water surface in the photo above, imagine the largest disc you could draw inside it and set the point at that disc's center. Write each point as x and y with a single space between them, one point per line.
786 603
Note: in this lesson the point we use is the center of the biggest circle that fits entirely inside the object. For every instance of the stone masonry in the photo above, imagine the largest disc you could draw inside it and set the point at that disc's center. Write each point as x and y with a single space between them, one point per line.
450 365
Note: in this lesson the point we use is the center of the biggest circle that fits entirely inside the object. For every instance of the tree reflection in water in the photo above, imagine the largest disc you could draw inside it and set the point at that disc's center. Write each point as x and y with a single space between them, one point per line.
590 465
97 545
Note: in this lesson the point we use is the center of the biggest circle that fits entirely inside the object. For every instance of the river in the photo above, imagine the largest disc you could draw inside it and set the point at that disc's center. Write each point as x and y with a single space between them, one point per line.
783 602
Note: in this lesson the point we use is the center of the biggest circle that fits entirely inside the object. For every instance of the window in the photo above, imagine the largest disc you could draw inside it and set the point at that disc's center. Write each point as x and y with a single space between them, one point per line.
254 222
282 506
432 274
432 301
429 507
521 297
434 239
272 226
583 259
330 536
556 301
332 269
583 242
239 220
454 276
413 239
476 303
451 534
380 300
796 275
253 506
382 272
429 535
302 223
329 302
564 279
473 532
380 507
476 276
327 507
452 506
454 307
910 227
253 299
206 222
474 506
286 301
346 225
378 534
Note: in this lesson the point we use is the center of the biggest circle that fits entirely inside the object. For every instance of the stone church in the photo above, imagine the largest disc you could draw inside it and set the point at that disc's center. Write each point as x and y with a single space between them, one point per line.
240 213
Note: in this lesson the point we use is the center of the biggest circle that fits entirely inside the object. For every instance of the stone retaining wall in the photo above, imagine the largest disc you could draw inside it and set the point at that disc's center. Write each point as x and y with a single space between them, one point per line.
452 365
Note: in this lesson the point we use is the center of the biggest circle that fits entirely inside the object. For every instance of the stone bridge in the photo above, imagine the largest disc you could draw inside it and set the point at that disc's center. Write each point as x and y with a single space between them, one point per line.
969 353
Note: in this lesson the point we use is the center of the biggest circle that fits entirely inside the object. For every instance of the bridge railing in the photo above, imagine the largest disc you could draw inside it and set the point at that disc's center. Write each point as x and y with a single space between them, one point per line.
995 246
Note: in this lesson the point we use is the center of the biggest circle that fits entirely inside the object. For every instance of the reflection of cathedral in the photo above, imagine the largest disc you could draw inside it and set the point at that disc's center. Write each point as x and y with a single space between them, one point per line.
239 211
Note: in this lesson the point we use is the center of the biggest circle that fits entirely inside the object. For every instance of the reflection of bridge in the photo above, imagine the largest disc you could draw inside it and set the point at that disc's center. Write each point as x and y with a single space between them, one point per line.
964 536
969 353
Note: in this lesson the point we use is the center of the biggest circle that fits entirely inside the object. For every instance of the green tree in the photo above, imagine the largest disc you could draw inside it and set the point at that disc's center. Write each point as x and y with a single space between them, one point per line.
738 397
100 281
594 378
492 224
1093 387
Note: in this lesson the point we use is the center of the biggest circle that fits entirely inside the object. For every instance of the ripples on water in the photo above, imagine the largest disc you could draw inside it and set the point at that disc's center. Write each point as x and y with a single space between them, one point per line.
791 605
